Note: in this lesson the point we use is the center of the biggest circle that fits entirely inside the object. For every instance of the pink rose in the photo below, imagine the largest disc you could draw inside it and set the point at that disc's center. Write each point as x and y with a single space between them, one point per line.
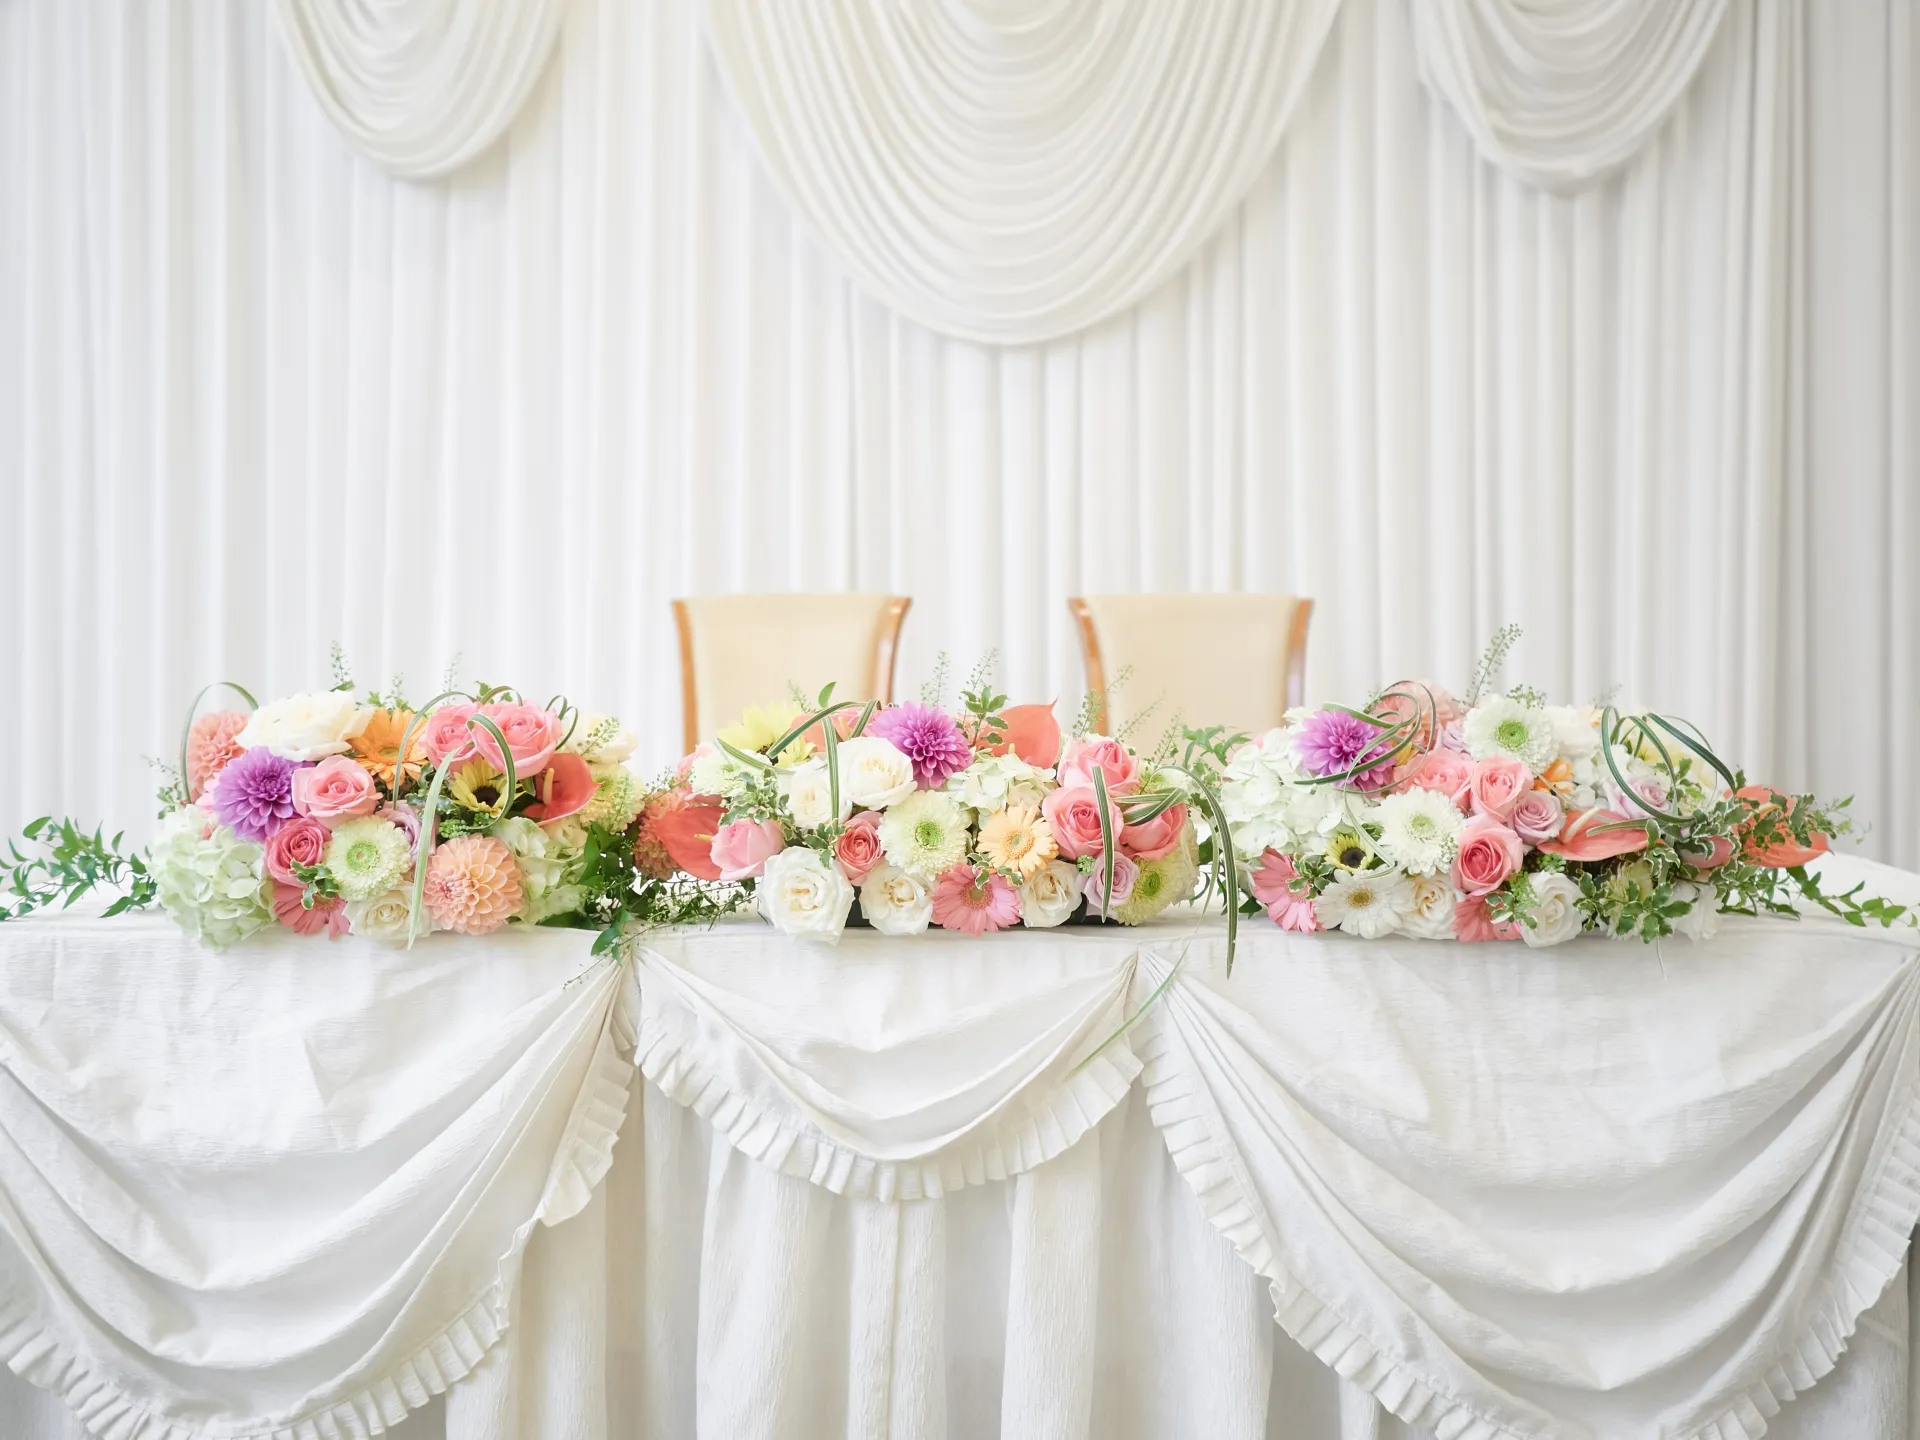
532 737
1083 757
446 737
1126 875
1536 816
301 841
1074 813
858 848
1497 784
1472 921
741 850
1446 772
336 789
1156 838
1489 853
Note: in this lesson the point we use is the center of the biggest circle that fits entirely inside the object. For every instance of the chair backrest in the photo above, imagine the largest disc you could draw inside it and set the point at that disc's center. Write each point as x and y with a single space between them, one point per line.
741 650
1237 660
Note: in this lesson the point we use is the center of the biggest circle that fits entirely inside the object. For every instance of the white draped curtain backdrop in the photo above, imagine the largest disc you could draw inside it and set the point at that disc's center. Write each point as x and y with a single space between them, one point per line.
1607 327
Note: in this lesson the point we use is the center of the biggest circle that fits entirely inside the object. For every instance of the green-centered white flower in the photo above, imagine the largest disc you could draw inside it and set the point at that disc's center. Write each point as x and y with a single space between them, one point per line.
926 834
1501 725
208 879
368 856
1419 830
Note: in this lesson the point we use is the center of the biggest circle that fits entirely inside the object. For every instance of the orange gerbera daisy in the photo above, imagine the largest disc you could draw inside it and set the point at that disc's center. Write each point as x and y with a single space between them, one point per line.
1018 839
378 746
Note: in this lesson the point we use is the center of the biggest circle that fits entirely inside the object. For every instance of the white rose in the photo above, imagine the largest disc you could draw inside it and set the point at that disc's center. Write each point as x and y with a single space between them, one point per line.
1576 731
1556 913
895 902
1432 915
306 727
1050 895
800 894
1702 922
808 791
873 772
383 918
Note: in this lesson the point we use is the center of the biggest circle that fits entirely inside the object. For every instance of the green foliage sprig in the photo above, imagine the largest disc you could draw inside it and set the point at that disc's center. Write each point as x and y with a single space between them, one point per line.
64 863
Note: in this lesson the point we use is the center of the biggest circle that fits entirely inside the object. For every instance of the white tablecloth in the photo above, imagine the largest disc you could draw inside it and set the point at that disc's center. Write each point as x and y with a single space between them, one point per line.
1604 1190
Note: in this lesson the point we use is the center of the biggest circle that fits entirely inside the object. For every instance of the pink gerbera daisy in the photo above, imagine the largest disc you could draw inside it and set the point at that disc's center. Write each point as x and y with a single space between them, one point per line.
977 902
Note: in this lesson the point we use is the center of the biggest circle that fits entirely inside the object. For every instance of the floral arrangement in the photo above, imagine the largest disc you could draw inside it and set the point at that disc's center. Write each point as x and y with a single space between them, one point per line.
909 816
1500 817
335 813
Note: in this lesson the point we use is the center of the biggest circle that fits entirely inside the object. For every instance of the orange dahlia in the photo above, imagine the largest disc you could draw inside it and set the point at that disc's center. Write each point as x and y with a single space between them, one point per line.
473 885
650 855
210 745
378 746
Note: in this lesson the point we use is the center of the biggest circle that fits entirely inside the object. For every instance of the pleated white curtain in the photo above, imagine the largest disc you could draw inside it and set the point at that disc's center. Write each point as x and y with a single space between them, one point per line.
256 395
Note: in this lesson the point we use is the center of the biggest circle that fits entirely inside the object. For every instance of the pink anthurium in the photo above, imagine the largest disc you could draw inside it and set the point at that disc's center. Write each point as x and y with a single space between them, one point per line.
1586 836
565 787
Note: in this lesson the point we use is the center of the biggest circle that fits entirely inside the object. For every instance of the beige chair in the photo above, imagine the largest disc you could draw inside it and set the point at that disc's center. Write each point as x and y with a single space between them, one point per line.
741 650
1236 660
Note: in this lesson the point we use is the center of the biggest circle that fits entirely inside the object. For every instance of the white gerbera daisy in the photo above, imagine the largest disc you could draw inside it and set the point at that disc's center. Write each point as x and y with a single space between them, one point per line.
1369 904
367 856
1419 829
1503 726
925 834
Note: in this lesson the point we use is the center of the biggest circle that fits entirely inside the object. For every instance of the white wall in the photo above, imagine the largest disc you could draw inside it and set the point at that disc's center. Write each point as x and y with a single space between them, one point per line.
256 396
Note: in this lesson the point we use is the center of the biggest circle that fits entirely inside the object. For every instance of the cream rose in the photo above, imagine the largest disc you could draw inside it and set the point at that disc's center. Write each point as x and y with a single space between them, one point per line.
1050 895
306 727
874 773
895 902
1556 911
800 894
808 791
1431 917
383 917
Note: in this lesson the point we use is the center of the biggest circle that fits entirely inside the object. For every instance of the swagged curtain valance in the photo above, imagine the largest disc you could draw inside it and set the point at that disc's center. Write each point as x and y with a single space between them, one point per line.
1009 171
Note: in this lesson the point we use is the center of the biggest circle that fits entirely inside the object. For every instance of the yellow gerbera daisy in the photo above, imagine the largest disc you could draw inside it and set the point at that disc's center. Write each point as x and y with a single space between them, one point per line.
476 785
1018 839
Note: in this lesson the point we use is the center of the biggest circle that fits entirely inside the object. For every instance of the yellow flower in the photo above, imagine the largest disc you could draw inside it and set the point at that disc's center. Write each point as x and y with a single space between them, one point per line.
1348 849
476 785
760 725
1018 839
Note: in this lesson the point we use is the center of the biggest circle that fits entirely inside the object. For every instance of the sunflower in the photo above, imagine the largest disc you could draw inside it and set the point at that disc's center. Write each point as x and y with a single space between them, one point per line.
1349 849
476 785
377 747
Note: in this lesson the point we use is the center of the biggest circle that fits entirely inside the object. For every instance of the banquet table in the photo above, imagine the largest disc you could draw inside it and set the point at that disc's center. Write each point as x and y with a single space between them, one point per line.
738 1185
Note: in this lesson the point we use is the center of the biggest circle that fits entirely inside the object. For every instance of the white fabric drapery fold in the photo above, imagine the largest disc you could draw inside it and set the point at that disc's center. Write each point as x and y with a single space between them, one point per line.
420 86
1014 173
1560 94
278 1194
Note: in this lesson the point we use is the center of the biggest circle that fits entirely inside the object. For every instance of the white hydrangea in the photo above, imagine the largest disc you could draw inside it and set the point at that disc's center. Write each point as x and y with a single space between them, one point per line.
1263 802
547 878
993 782
714 772
208 879
1500 725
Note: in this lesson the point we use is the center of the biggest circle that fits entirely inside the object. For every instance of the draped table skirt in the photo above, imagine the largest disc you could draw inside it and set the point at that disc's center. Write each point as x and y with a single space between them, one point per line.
920 1188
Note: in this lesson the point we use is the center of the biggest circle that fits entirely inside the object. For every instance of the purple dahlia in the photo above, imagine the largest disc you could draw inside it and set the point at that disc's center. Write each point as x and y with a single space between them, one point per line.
253 796
1332 742
928 737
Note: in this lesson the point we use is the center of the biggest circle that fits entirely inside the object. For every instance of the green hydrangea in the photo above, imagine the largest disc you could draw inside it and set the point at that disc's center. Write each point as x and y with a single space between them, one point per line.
617 800
549 870
208 879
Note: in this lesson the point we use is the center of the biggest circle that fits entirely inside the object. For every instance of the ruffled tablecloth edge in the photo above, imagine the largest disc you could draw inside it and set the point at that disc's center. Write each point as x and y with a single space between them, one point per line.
1873 1246
1035 1130
584 1156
